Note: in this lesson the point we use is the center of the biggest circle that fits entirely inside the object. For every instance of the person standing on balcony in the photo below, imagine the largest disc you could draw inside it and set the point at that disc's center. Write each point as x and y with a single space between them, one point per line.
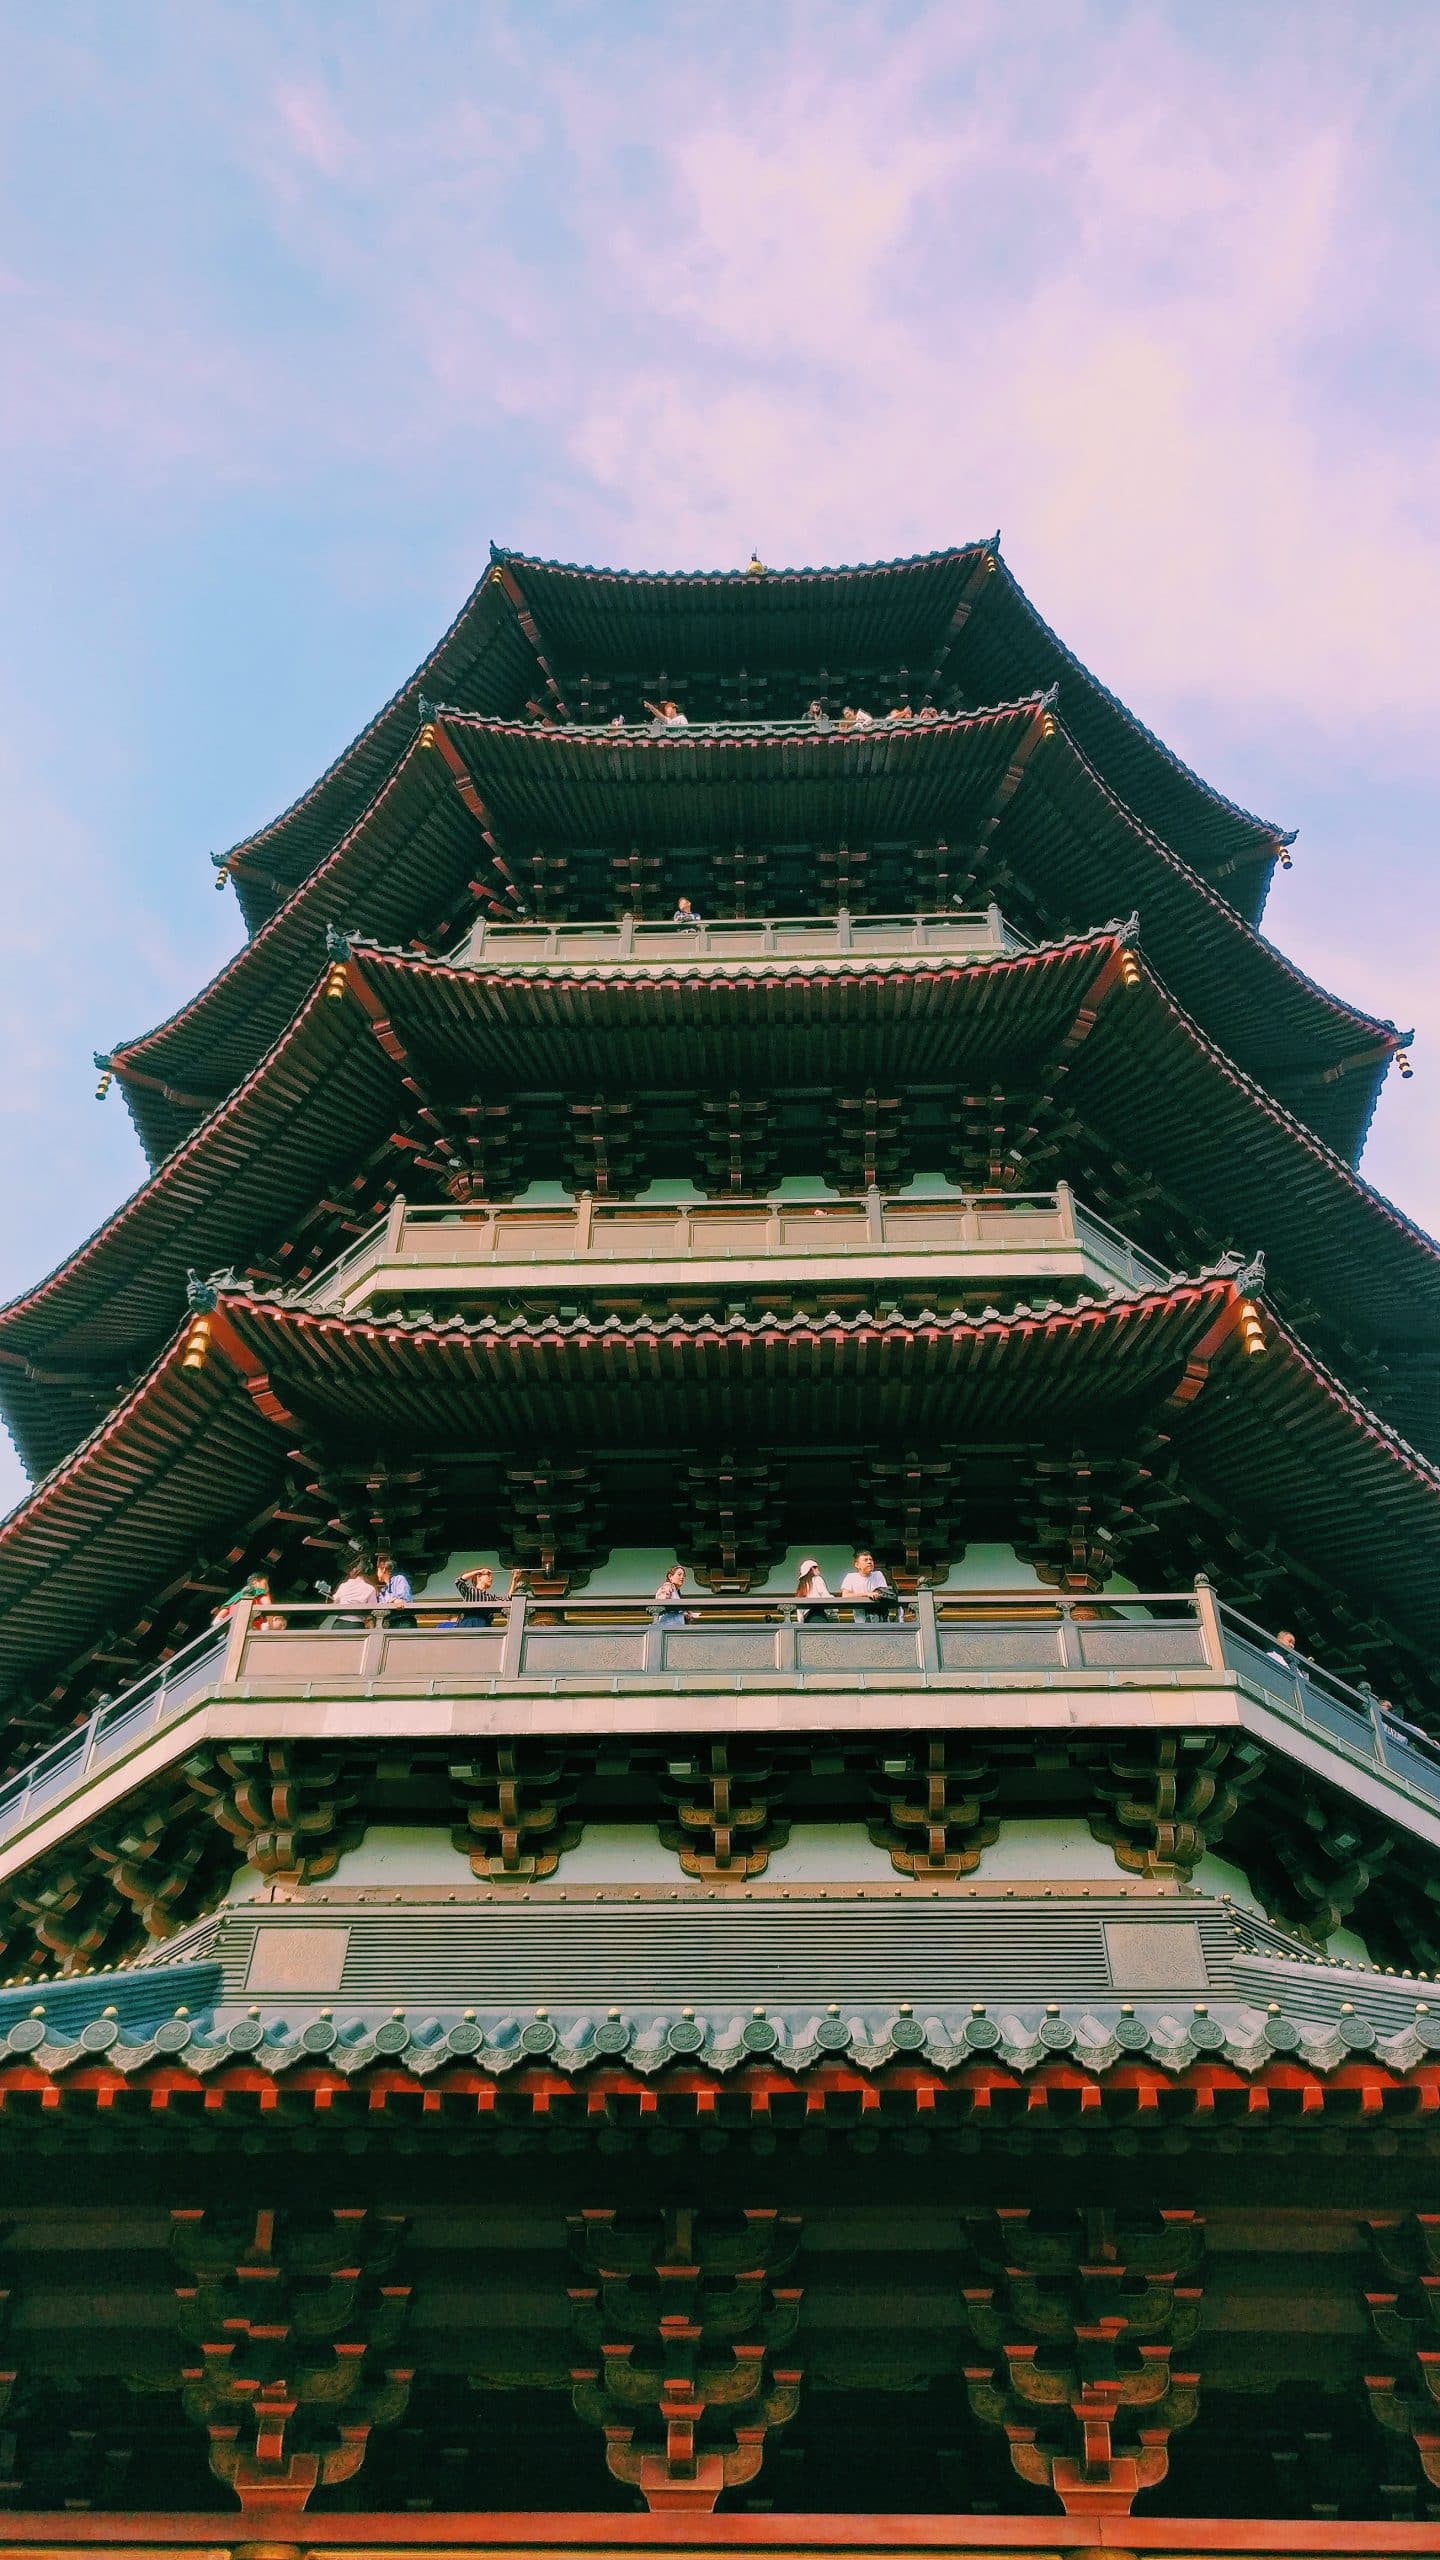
356 1592
667 715
812 1585
868 1588
255 1588
392 1589
667 1594
686 916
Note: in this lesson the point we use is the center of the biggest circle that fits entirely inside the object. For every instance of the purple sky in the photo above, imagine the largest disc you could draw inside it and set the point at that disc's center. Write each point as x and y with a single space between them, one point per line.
300 305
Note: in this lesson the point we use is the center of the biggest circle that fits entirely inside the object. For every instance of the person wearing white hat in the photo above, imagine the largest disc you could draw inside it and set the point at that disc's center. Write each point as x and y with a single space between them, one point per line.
811 1586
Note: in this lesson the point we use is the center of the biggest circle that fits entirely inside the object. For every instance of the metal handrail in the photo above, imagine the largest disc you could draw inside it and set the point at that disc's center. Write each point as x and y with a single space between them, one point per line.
167 1687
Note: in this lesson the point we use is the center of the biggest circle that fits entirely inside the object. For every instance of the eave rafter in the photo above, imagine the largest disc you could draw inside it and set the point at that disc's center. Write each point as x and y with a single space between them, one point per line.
503 575
508 902
984 566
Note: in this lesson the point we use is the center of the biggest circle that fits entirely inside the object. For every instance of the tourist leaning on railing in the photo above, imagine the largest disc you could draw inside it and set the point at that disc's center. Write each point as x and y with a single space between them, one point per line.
869 1588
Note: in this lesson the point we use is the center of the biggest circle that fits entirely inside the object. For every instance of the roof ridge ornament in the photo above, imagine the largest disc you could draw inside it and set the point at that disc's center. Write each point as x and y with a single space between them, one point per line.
340 941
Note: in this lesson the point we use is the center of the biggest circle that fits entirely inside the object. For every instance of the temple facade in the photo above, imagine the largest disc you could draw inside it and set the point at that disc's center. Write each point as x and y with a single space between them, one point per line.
722 1826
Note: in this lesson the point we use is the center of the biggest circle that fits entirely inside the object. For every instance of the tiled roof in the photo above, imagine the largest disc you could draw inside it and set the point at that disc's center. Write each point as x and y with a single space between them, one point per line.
1012 774
190 1452
1153 1088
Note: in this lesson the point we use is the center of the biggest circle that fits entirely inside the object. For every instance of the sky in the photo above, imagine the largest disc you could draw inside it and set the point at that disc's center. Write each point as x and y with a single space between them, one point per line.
301 306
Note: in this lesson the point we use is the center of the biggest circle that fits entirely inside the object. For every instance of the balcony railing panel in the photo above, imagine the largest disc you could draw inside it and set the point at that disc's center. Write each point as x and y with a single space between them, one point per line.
634 939
1029 1235
1025 1642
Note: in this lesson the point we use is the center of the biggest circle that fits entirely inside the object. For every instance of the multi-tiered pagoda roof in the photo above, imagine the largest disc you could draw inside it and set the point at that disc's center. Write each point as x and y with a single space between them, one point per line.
732 1140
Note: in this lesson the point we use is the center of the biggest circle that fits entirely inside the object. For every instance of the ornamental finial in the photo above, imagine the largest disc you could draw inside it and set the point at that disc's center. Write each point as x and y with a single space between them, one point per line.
340 940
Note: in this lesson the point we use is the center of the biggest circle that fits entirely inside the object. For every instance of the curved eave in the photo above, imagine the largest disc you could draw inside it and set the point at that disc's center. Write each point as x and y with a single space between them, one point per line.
1010 778
638 622
411 853
1275 1437
320 1096
484 656
1146 1079
1012 775
1006 634
267 1152
631 620
931 611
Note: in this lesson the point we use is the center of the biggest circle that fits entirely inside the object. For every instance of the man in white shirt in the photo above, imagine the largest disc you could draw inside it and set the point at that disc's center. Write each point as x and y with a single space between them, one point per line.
865 1584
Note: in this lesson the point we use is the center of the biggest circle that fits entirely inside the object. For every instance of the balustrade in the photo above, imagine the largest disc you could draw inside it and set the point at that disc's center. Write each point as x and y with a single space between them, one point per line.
1034 1235
952 932
990 1641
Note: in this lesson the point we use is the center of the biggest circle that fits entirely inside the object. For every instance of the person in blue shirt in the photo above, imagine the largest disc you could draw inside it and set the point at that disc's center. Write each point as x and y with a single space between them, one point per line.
393 1588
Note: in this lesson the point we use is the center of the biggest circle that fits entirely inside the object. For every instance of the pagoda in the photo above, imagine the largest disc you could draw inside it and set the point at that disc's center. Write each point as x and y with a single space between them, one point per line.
755 1073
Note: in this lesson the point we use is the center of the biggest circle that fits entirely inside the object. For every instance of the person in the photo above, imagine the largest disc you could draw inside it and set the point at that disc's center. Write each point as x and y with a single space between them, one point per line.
356 1592
816 711
928 711
617 719
667 1593
255 1588
812 1585
1284 1650
898 711
867 1586
392 1588
685 914
476 1586
863 720
667 714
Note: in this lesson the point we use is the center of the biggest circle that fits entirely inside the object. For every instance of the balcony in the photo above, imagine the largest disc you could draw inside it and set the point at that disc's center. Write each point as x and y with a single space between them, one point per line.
634 942
996 1664
997 1240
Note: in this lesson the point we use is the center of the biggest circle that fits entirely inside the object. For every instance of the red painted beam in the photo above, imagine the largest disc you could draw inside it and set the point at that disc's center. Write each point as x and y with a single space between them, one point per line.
484 2534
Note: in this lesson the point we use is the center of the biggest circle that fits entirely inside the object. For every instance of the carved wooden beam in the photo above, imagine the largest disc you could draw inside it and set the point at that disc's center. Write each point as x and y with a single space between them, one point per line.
552 1524
731 1518
1087 2316
516 1798
723 1821
738 1153
1080 1510
685 2332
869 1142
936 1820
912 1509
1170 1797
1315 1857
1403 2301
604 1146
292 1807
491 1144
290 2324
